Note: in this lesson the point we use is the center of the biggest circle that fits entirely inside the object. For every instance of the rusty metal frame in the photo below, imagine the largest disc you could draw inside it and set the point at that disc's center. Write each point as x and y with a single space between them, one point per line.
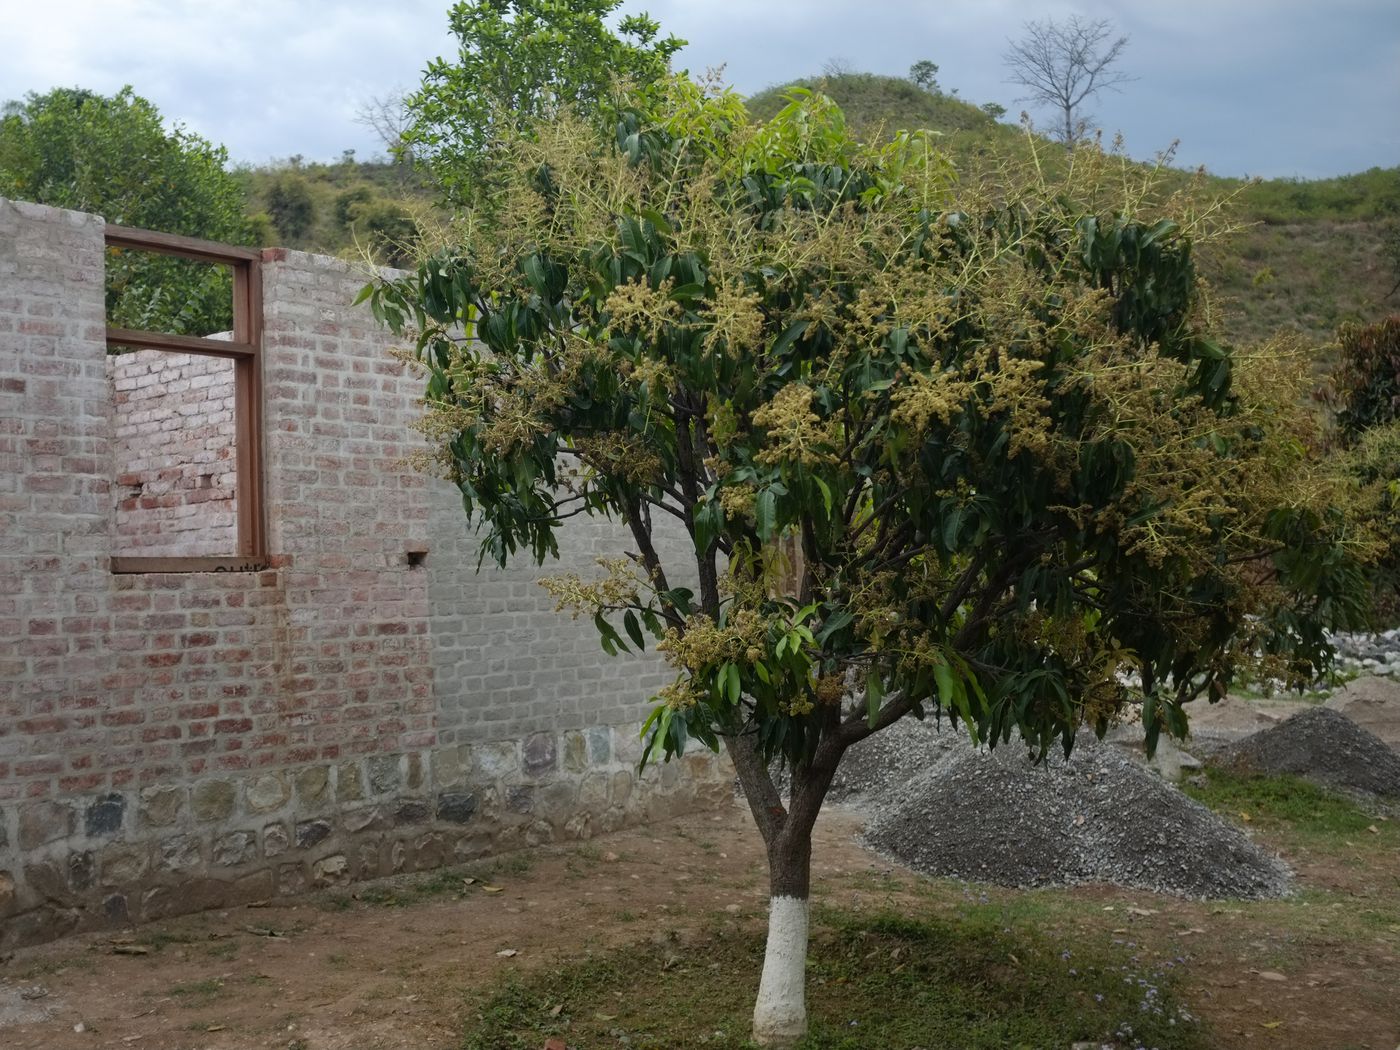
245 351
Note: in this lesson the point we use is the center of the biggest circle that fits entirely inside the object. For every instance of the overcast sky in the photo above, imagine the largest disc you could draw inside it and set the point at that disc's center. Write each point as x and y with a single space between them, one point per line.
1249 87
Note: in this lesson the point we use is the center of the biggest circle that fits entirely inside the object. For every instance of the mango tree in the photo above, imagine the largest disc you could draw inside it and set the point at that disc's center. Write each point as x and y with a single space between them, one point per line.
930 448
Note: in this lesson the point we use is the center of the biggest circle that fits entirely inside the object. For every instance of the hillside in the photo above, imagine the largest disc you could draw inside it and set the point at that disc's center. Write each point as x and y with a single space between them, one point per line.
1310 259
342 208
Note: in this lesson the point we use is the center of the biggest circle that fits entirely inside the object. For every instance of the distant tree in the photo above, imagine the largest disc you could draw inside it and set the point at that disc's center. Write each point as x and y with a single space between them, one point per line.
386 228
1390 252
995 110
921 446
925 74
347 200
837 66
518 60
291 205
1064 64
73 148
391 119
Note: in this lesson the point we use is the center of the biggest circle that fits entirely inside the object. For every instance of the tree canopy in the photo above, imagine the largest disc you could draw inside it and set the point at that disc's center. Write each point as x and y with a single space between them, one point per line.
72 148
519 60
931 447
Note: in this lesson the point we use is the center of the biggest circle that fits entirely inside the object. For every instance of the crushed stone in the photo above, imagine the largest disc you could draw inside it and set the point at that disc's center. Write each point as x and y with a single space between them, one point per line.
945 808
1323 746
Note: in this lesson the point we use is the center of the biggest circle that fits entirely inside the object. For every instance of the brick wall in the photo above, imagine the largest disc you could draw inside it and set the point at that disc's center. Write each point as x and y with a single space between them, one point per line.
173 452
176 741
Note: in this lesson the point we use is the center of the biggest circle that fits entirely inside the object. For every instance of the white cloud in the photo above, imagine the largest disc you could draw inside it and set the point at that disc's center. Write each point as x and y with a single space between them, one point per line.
1268 86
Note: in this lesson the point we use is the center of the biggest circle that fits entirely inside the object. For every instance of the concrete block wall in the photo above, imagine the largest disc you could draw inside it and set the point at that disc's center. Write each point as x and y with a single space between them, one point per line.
170 742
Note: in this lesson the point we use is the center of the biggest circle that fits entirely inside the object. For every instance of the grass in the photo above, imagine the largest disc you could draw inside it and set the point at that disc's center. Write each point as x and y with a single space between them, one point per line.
1291 807
443 884
875 981
198 993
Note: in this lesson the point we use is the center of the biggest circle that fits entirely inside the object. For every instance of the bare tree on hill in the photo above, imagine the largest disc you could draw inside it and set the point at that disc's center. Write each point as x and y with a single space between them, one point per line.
1063 64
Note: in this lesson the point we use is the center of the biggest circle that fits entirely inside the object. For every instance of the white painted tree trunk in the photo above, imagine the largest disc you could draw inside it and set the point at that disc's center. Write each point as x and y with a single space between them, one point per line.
780 1016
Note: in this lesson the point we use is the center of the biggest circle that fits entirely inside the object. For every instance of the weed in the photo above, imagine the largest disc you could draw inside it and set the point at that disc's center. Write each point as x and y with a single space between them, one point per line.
1289 805
198 993
879 981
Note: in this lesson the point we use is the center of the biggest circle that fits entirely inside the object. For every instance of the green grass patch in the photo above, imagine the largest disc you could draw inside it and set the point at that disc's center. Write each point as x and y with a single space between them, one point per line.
1288 803
881 981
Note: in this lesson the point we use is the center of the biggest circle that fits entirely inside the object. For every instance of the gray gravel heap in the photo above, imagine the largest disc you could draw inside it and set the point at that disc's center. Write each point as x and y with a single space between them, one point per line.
1323 746
1098 817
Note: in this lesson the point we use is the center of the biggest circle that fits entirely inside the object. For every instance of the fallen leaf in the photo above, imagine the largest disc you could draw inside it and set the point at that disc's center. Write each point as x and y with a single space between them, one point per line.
507 953
1373 829
605 1017
263 931
1271 1024
555 1011
490 889
215 1027
1133 910
130 949
1270 975
1245 816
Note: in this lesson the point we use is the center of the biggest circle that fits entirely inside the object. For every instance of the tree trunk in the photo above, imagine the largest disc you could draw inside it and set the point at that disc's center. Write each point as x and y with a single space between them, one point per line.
780 1014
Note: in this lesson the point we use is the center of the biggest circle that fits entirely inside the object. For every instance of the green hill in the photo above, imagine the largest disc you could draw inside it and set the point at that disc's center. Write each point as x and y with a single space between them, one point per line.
1310 259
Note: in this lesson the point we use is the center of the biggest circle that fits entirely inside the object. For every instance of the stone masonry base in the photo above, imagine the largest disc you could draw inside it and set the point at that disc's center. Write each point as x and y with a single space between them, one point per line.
166 849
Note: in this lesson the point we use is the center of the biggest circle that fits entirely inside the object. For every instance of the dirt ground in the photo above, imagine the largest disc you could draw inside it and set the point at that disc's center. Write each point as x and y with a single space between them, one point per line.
365 973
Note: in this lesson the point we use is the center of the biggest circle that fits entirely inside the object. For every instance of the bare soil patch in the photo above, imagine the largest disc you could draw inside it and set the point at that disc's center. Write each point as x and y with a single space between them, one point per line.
404 963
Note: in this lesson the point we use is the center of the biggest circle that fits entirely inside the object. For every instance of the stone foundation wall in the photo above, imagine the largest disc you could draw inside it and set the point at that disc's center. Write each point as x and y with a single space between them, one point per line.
174 741
133 856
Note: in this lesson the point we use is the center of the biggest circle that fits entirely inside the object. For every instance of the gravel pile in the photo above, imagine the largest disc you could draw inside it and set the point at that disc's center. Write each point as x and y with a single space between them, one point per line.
1373 703
1325 747
1098 817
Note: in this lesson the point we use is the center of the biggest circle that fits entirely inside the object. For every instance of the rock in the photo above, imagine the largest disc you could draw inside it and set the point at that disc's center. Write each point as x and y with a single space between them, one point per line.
104 816
312 786
330 870
599 745
384 774
43 822
310 832
413 811
160 807
212 801
82 871
235 848
268 792
275 840
497 761
539 754
456 807
575 752
448 769
122 865
7 892
180 853
349 784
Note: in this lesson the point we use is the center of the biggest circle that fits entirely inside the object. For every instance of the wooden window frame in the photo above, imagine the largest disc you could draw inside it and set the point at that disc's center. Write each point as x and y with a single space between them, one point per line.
245 351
